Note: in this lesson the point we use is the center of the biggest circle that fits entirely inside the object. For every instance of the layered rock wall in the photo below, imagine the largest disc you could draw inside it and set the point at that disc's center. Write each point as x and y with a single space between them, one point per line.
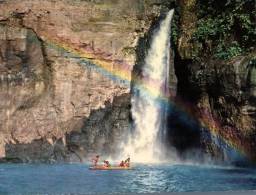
65 70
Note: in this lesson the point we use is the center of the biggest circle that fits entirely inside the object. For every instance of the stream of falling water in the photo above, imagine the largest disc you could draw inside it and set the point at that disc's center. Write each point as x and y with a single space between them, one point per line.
149 115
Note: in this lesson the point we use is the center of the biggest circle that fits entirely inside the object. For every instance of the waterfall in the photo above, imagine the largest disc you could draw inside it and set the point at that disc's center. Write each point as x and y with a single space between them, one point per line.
148 113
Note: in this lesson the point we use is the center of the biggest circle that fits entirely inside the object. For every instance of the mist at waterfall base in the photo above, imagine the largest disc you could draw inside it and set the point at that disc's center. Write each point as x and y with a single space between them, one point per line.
146 143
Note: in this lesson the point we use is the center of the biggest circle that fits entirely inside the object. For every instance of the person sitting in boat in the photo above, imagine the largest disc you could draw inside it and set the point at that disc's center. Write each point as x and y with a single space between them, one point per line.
106 163
121 164
95 160
127 162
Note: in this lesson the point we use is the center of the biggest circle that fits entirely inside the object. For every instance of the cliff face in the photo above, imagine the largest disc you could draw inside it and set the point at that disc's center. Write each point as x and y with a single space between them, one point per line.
65 68
215 67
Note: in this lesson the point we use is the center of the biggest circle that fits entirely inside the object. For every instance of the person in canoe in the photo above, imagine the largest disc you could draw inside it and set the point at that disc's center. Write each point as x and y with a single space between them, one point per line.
106 164
127 162
121 164
95 160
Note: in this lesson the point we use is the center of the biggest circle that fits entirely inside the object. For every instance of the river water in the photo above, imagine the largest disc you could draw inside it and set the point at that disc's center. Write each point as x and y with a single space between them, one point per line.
77 179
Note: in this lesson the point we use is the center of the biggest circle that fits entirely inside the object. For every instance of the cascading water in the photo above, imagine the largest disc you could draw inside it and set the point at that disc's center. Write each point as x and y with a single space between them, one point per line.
148 111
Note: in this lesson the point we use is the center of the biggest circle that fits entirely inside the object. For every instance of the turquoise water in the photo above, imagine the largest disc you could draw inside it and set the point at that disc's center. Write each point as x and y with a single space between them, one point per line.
77 179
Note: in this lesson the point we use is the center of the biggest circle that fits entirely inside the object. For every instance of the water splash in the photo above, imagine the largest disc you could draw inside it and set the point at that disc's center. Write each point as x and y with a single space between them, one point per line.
149 115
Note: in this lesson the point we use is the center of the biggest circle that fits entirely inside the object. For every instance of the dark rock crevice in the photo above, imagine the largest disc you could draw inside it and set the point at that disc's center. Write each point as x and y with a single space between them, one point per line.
215 92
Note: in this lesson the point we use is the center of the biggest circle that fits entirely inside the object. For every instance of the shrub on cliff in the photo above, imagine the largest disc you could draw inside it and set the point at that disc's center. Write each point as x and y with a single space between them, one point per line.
228 25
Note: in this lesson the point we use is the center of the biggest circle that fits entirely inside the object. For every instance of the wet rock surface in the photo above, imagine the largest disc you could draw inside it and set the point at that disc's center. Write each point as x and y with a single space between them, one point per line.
100 133
215 98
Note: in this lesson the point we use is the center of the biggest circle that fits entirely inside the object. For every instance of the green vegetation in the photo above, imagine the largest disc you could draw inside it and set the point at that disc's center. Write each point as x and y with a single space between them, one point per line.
128 51
229 25
175 29
232 50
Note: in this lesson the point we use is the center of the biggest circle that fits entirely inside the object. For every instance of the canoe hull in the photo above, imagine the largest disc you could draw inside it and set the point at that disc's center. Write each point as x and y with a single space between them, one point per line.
110 168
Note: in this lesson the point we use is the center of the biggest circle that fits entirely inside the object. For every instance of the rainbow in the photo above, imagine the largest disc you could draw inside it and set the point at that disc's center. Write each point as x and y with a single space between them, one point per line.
120 71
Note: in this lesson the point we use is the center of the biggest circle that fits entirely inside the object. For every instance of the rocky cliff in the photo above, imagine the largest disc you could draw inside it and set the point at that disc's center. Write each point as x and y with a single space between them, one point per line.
66 67
65 71
214 43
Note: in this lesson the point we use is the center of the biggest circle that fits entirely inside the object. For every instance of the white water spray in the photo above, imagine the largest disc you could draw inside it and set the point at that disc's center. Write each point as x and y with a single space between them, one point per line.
148 113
